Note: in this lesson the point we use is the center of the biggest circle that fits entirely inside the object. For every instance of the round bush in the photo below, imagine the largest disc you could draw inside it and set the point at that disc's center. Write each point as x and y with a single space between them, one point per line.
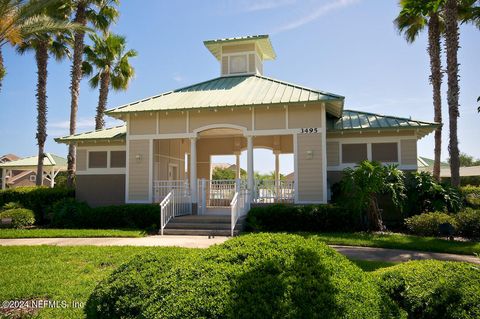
428 224
252 276
468 222
21 217
11 205
67 213
434 289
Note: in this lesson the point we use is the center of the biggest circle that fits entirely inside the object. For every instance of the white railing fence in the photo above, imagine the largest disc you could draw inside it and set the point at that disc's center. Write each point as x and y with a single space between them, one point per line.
271 191
239 206
162 188
177 202
217 192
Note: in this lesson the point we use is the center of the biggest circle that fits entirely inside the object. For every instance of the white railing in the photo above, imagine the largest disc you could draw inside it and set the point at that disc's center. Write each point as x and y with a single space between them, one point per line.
162 188
270 191
177 202
217 192
239 206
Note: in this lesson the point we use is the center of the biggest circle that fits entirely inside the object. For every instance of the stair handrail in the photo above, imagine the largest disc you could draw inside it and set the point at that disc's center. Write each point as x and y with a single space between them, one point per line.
167 209
234 212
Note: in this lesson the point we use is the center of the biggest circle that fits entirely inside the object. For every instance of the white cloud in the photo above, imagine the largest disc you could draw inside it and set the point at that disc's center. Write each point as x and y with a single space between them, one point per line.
259 5
178 77
316 13
81 123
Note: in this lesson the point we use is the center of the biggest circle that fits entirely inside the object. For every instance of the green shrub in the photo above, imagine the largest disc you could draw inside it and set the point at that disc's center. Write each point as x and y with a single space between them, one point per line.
69 213
472 195
433 289
428 224
252 276
283 217
468 222
11 205
37 199
21 217
424 194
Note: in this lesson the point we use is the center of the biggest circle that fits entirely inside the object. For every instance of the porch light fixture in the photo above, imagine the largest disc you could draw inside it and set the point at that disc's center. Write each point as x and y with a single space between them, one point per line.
138 157
309 155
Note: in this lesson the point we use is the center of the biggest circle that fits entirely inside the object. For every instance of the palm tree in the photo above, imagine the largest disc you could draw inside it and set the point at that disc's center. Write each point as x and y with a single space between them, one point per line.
101 13
451 44
109 57
20 19
54 43
414 16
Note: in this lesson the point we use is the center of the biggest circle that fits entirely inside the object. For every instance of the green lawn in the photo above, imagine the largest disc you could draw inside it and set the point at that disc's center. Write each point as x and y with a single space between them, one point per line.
399 241
57 233
60 273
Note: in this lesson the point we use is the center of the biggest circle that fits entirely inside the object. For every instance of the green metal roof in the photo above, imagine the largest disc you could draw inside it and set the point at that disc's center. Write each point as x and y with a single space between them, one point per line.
360 121
112 133
233 91
262 41
428 162
32 161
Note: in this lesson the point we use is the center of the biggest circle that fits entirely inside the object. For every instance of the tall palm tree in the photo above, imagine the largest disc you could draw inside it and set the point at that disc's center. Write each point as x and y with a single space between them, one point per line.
100 13
20 19
43 44
414 16
453 91
109 57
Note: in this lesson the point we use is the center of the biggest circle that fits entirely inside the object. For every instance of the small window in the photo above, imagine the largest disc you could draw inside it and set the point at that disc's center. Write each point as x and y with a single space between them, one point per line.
238 64
97 159
33 178
118 159
385 152
354 153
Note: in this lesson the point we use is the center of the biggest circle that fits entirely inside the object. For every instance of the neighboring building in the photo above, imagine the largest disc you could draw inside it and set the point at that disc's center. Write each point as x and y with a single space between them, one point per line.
22 171
426 165
240 110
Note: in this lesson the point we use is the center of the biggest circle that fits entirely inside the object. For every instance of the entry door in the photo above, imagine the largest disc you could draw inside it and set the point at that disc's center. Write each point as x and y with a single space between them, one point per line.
172 172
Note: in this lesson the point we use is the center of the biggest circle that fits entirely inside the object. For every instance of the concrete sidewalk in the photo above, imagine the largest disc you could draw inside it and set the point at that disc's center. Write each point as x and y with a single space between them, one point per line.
352 252
398 255
179 241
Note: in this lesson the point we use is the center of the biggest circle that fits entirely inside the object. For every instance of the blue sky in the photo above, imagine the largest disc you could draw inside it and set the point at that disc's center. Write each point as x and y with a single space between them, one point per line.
348 47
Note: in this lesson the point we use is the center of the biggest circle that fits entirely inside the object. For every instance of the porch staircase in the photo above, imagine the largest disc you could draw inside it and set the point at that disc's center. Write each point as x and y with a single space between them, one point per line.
202 225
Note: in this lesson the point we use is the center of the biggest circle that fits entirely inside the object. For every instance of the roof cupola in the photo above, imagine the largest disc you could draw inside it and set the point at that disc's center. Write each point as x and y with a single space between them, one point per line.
244 55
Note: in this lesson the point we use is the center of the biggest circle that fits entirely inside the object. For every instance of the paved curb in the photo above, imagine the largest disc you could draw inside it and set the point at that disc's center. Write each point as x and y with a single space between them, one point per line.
398 255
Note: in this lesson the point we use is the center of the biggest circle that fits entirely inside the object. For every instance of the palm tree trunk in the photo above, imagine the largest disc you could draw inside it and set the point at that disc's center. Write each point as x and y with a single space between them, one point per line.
102 100
80 18
41 56
434 50
2 69
451 41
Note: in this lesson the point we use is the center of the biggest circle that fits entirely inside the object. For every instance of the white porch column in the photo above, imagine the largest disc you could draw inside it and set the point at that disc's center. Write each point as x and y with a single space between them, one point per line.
52 178
237 166
250 181
193 168
4 178
277 174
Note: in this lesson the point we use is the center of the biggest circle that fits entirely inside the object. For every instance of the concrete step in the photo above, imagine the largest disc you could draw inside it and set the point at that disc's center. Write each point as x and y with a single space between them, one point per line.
199 232
220 210
183 225
202 219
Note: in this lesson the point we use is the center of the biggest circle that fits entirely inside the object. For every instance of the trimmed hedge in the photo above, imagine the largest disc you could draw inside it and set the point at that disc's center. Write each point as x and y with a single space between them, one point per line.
69 213
252 276
472 195
428 224
21 217
281 217
433 289
468 222
38 199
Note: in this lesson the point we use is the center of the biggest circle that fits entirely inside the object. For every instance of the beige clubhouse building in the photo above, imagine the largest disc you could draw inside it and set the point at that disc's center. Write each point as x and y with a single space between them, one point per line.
168 140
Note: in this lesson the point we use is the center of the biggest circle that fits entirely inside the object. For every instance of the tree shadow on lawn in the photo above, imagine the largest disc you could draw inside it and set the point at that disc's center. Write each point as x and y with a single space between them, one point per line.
279 288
